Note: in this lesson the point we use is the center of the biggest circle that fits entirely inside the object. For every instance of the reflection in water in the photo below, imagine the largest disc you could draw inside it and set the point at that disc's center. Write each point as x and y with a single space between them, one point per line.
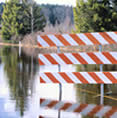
20 76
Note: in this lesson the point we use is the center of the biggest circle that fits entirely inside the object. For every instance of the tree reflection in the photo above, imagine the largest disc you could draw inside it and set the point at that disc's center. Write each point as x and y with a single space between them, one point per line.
20 76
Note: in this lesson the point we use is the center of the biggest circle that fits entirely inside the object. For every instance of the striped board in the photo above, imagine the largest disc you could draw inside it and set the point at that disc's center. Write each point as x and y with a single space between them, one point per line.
78 58
100 38
90 110
79 77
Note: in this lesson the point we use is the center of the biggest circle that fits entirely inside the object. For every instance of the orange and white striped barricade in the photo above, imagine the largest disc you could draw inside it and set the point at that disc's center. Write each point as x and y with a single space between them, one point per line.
79 77
78 58
99 38
84 109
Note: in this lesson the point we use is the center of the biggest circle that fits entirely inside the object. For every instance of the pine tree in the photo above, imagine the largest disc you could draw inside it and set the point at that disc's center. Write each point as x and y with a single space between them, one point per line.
11 24
95 15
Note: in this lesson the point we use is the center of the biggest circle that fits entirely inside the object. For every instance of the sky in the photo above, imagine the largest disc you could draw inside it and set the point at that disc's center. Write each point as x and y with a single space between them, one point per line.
61 2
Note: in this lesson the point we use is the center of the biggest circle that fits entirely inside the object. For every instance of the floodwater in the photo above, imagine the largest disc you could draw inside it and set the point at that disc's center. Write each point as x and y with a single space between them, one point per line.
22 96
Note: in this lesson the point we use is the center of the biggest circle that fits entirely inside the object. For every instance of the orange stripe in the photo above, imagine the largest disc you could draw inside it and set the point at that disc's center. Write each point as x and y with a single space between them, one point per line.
65 106
48 40
40 62
65 59
66 78
95 58
110 112
41 80
52 78
42 100
51 59
52 104
107 37
77 39
95 110
110 57
115 32
80 77
81 107
79 58
39 44
92 38
110 77
95 77
63 40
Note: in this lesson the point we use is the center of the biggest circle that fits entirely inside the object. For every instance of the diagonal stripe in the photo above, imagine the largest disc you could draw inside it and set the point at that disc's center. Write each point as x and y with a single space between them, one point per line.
42 42
107 37
111 77
51 77
100 38
80 108
95 77
110 57
44 60
87 58
103 77
80 77
103 59
70 40
48 40
45 78
66 78
41 80
113 35
95 58
77 39
50 58
95 110
65 59
92 38
79 58
55 40
58 59
88 77
84 39
63 40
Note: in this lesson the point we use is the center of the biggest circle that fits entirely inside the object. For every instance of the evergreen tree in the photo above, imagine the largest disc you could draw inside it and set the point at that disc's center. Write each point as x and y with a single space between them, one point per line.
95 15
11 24
32 18
20 18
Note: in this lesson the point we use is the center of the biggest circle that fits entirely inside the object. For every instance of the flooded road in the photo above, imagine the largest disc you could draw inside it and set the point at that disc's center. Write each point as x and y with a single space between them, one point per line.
22 96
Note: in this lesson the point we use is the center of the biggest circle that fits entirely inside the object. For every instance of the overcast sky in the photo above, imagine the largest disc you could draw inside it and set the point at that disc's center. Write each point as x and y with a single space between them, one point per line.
63 2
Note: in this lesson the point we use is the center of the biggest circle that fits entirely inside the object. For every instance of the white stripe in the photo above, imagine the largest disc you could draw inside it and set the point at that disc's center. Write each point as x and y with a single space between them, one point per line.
58 59
42 42
70 40
58 105
44 60
102 58
72 58
114 74
114 115
112 35
88 109
55 40
103 77
114 54
73 107
45 103
102 111
73 78
100 38
88 77
87 58
59 78
45 78
84 39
